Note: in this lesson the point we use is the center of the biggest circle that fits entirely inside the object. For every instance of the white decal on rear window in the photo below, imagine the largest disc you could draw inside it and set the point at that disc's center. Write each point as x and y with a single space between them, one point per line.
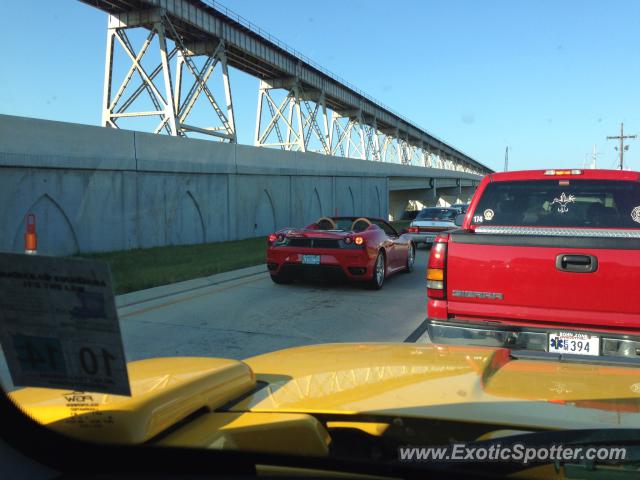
635 214
563 201
488 214
477 219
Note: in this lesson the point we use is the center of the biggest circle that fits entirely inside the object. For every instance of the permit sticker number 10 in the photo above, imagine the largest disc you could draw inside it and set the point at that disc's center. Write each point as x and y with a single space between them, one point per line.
38 354
58 324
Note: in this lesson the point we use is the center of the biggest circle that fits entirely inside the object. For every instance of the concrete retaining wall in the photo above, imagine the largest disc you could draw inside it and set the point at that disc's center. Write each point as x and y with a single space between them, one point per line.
95 189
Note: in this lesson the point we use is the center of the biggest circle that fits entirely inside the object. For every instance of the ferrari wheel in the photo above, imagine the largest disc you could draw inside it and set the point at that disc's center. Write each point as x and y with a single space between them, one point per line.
280 280
411 258
377 280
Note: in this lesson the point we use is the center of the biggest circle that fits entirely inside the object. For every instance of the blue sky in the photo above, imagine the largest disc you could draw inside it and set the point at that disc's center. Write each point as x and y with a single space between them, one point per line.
548 78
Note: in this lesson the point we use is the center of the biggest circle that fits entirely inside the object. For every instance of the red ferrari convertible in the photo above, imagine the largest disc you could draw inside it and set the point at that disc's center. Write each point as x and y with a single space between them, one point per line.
354 248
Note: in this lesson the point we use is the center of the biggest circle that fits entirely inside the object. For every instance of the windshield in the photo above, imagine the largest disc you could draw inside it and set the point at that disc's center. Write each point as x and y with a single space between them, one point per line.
553 203
243 226
437 214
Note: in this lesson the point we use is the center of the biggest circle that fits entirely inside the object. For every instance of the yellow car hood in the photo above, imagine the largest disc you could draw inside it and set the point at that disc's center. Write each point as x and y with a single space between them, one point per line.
298 400
460 383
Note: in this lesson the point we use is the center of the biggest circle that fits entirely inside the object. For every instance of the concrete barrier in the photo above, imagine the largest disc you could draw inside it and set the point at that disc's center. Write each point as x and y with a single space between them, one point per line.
97 189
94 189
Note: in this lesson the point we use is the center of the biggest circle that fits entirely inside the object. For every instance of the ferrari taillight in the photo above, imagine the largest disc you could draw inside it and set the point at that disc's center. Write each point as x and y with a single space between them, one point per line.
436 268
356 242
276 240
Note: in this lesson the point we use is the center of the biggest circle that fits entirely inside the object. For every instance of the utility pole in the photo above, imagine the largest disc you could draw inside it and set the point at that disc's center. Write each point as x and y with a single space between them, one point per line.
506 159
621 137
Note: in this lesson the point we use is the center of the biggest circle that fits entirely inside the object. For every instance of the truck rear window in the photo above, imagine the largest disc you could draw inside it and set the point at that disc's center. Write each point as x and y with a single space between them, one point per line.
560 203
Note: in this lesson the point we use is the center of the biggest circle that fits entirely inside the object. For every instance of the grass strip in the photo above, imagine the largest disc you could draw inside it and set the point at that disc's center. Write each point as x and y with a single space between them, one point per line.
133 270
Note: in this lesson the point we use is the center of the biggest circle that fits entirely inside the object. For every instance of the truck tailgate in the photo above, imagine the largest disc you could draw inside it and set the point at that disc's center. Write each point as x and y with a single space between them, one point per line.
519 277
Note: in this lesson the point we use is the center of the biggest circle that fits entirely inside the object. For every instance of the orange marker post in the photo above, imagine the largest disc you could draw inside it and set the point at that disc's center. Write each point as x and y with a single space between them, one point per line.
30 237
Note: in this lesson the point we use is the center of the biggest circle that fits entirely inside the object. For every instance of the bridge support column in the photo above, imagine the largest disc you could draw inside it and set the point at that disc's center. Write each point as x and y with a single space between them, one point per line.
373 139
401 200
116 107
404 150
214 55
166 100
398 202
390 151
466 193
449 195
344 127
291 123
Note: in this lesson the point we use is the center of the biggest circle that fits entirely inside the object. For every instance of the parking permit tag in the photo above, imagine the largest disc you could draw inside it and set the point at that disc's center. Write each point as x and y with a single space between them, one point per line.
59 326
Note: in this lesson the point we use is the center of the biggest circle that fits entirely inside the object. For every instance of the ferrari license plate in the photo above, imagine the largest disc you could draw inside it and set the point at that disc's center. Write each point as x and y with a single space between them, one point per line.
574 343
311 259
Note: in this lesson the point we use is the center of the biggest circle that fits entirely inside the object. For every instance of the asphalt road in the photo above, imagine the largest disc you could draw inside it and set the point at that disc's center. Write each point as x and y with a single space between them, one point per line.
252 315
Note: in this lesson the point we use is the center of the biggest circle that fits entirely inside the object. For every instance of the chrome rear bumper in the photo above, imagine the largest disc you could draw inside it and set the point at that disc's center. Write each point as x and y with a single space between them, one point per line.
426 237
523 338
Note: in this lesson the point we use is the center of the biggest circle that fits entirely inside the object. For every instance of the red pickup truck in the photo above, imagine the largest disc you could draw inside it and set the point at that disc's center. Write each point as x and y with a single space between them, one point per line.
544 260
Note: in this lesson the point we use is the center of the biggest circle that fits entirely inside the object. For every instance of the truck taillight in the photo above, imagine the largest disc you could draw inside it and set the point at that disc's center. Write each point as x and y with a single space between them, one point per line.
436 268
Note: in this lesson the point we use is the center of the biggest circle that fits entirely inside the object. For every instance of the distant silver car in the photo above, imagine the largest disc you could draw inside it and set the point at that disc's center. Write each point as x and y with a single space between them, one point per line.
462 207
430 222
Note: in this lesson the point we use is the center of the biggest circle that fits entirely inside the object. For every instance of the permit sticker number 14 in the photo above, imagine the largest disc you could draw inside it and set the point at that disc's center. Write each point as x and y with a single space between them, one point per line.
58 324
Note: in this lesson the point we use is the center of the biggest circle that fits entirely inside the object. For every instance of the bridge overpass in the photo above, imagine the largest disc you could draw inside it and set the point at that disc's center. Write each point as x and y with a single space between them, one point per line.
333 149
315 110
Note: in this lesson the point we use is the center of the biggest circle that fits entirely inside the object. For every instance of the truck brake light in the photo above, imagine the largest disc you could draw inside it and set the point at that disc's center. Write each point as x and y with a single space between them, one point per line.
436 268
563 172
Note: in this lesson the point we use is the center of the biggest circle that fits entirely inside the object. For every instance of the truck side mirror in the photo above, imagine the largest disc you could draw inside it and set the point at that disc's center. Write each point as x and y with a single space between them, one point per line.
459 219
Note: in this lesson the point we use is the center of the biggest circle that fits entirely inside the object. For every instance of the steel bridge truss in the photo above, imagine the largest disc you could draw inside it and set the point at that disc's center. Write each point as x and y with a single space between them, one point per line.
294 119
178 92
289 116
293 122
